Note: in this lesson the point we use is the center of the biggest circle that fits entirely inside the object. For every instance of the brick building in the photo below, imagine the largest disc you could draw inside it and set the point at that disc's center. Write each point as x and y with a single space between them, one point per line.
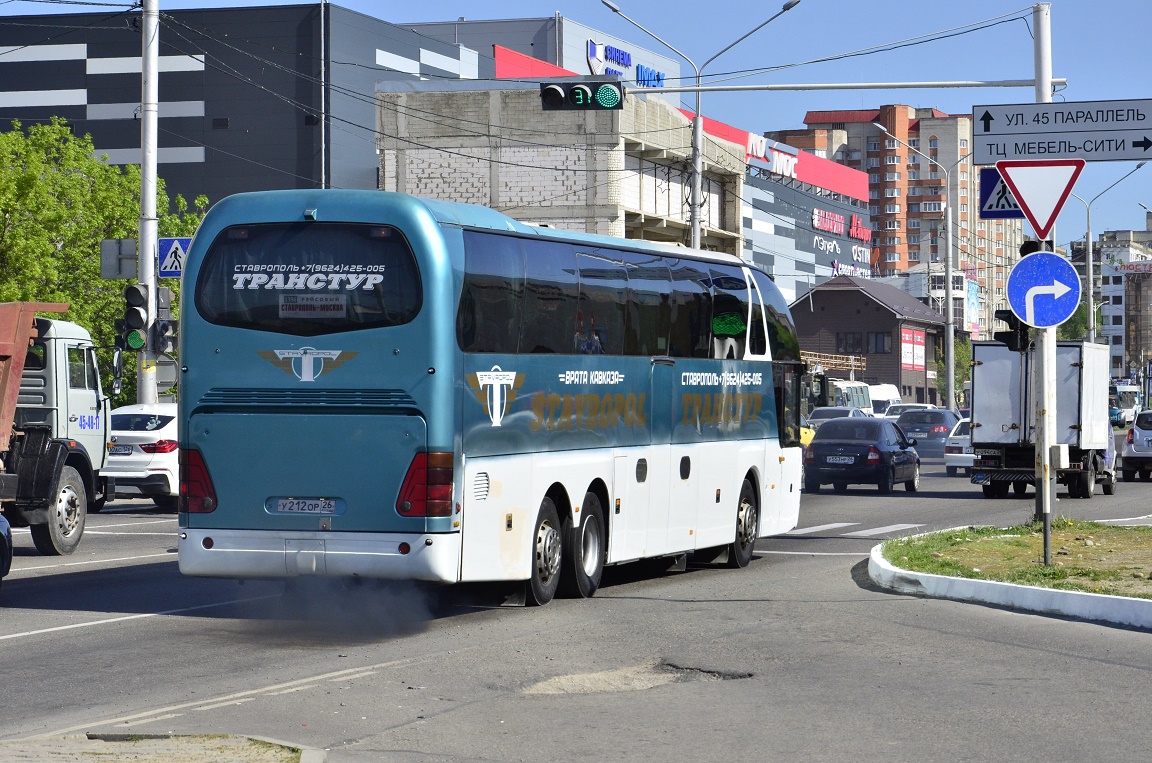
899 336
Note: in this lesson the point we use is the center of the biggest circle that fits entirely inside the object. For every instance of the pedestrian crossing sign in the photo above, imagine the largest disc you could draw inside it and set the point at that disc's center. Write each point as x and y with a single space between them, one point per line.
172 253
996 199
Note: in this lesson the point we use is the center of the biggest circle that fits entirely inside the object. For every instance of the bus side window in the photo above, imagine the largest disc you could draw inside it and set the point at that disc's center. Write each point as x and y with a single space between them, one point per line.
786 385
488 318
691 311
600 312
648 322
783 343
551 291
729 312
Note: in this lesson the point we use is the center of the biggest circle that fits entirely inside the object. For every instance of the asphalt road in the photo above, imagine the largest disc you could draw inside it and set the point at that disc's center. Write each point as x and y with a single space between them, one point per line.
798 657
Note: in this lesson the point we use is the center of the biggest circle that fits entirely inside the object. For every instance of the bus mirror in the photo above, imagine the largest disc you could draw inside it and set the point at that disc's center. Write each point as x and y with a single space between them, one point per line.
117 370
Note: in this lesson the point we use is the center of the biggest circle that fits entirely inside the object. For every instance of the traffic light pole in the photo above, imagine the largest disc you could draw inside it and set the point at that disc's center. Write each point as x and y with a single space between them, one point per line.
149 234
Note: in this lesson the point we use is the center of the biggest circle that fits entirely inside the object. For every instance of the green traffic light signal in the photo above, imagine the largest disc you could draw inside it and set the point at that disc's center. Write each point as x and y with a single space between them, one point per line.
594 96
136 339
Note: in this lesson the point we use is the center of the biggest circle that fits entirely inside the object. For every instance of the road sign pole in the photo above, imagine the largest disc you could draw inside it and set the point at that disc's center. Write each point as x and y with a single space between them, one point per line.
1046 399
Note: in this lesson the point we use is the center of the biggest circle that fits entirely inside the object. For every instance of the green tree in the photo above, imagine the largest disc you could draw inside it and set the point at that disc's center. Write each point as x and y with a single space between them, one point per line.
1075 329
58 200
962 362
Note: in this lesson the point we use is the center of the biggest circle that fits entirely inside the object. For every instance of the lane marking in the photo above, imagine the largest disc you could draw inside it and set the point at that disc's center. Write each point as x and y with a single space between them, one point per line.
149 720
859 555
90 561
820 528
880 531
289 691
229 703
129 535
149 522
140 616
358 675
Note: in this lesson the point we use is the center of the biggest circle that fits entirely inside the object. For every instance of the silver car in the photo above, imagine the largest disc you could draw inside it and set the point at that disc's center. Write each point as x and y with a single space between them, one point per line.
958 455
143 455
1138 448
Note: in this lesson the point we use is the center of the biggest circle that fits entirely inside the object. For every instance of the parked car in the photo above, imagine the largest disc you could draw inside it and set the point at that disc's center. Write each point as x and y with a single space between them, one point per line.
1138 448
143 453
817 416
930 428
5 548
894 411
958 455
861 450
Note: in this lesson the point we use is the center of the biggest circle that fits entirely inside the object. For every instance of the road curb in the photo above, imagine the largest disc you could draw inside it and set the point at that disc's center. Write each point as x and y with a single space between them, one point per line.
1097 607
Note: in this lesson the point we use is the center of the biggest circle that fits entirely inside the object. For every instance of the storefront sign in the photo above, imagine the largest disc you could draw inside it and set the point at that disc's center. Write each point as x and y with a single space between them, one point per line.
608 59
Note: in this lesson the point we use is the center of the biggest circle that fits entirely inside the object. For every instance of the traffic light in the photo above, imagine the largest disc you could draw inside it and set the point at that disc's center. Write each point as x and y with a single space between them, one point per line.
164 336
134 327
1018 337
594 96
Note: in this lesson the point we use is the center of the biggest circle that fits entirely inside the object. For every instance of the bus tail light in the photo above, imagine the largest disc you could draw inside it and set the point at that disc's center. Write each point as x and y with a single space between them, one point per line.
427 488
160 446
197 495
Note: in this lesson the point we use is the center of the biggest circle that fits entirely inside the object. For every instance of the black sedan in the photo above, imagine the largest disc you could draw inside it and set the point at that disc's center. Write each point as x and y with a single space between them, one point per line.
853 451
930 428
5 547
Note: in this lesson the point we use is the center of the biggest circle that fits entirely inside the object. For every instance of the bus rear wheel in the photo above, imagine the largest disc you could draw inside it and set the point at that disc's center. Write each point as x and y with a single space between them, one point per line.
584 550
547 553
747 527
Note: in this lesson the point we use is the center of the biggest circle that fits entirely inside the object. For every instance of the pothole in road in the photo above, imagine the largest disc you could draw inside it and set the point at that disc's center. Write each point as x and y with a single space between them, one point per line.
646 675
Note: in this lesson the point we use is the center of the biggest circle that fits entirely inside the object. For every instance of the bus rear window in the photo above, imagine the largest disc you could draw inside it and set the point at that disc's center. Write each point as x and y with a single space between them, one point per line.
309 278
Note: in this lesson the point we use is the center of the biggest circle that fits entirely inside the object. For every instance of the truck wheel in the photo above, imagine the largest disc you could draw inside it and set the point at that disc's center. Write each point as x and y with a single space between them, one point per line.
66 517
1001 489
989 491
1129 475
1020 489
1087 483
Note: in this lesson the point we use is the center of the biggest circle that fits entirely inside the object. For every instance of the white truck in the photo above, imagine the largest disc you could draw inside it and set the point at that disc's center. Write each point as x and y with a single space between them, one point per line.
1003 419
56 417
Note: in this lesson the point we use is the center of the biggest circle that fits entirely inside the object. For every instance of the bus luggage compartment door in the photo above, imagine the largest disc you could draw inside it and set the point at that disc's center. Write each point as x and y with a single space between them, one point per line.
307 471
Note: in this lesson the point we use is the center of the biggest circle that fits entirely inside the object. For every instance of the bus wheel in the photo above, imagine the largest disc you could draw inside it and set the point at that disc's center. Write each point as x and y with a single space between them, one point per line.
584 552
547 548
747 526
65 526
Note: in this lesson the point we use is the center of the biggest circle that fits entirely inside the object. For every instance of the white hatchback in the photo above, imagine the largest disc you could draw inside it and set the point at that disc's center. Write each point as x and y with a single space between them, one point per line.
143 455
958 448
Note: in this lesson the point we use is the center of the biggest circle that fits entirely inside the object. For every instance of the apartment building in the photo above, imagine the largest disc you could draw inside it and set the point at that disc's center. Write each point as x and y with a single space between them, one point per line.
917 166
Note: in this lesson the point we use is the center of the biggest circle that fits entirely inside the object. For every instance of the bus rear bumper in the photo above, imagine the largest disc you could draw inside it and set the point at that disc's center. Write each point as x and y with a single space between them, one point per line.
262 554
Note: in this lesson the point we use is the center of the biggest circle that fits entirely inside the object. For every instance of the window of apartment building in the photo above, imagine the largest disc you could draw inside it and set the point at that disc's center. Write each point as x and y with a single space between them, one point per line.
913 158
999 291
1118 280
874 177
873 209
914 142
963 175
1117 299
933 175
891 225
855 155
1117 339
891 176
913 190
892 159
873 145
963 190
890 143
879 342
873 193
892 257
913 174
1117 320
873 161
932 206
914 238
999 227
892 240
915 221
838 156
932 143
999 260
964 207
849 342
963 143
934 241
891 209
891 192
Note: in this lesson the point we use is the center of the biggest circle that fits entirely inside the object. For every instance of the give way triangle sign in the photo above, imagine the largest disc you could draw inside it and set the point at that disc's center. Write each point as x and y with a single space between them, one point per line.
1041 187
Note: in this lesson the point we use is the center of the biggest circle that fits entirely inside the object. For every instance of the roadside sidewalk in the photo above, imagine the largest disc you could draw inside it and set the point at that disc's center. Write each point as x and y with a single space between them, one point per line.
1116 610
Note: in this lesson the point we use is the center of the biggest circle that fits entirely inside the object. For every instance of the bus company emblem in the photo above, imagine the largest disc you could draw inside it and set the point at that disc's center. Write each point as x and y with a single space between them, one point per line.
307 363
495 390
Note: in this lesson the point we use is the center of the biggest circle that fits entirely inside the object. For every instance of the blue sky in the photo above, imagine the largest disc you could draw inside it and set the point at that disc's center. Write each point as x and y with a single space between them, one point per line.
1100 46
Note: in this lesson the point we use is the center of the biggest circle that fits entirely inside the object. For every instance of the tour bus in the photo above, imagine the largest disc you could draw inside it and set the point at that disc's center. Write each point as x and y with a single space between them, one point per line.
381 386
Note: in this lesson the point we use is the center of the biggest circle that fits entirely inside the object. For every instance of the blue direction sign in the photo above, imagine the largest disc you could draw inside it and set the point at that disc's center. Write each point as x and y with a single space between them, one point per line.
1043 290
172 253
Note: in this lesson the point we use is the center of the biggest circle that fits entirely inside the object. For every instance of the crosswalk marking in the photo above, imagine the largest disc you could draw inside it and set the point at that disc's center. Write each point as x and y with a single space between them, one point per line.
820 528
879 531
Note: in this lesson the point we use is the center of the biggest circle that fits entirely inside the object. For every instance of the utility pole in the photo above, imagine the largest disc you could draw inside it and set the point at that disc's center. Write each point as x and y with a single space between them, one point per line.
146 261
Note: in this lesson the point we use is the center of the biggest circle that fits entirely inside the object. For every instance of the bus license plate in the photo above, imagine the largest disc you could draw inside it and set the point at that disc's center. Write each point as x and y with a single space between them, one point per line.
840 459
306 505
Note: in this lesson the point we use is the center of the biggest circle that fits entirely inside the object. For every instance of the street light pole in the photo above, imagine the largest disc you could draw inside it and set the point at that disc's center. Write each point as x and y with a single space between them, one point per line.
949 322
1088 263
696 202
